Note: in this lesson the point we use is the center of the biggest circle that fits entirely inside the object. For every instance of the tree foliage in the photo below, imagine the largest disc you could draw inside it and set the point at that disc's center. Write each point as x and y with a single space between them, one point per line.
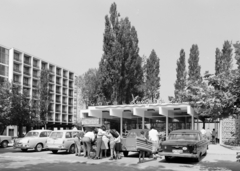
194 69
42 105
227 56
120 71
5 105
88 83
237 53
218 62
152 83
181 76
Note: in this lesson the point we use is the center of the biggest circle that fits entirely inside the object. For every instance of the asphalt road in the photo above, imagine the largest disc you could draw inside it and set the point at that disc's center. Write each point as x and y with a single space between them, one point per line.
217 159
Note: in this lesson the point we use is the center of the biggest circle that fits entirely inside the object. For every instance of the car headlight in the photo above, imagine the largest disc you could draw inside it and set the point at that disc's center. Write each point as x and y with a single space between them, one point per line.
184 148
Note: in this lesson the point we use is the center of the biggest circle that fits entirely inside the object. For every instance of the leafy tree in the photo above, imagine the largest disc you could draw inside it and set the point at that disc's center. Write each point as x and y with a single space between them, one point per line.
21 113
89 83
181 76
237 53
194 69
42 105
227 56
152 76
120 70
5 105
218 62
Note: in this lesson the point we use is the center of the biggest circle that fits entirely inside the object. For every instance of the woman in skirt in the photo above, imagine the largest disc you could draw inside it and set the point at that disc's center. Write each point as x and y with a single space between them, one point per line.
105 140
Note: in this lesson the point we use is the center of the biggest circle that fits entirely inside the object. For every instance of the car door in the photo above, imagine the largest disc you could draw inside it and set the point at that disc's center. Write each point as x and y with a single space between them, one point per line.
69 139
43 138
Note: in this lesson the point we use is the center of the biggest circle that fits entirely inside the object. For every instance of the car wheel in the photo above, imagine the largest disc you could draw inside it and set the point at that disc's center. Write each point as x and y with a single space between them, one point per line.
168 158
38 147
24 150
54 151
72 149
125 153
4 144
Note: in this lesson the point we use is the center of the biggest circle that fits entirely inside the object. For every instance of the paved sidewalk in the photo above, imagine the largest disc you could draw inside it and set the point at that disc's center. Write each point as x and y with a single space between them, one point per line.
218 149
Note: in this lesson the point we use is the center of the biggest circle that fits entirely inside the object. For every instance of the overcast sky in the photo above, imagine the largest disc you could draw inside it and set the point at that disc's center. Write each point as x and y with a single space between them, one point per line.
69 33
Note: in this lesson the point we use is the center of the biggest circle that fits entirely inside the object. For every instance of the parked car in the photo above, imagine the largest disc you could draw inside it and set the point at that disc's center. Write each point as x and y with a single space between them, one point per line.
5 140
184 143
35 139
131 143
62 140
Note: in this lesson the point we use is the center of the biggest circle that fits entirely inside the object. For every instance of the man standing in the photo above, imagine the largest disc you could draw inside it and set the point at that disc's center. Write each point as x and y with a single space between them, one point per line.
214 133
203 131
153 137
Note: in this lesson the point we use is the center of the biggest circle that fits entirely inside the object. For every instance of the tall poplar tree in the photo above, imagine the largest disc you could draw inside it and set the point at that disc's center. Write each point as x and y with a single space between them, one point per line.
227 56
237 53
152 76
181 75
194 69
218 62
120 71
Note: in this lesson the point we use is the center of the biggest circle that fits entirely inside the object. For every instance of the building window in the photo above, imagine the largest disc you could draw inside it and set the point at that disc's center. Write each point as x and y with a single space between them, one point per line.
3 70
17 57
4 56
35 63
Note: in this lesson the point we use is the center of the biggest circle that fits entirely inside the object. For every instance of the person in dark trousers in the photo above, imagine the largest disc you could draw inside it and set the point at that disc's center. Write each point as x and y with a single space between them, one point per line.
141 152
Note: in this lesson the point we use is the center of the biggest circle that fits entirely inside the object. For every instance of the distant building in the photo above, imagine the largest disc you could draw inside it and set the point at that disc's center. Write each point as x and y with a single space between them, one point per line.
23 69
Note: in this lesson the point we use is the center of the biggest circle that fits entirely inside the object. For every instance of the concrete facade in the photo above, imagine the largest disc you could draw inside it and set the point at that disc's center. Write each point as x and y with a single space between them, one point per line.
23 69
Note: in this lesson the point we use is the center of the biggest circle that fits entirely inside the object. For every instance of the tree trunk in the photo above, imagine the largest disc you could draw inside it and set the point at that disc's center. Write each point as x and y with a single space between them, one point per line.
20 131
2 129
28 128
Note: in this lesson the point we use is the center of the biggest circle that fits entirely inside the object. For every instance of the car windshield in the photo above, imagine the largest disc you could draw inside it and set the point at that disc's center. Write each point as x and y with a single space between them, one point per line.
183 136
56 135
32 134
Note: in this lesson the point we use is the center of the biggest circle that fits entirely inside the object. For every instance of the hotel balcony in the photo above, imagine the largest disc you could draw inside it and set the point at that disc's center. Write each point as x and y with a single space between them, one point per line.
57 119
17 58
26 61
58 101
58 110
58 91
27 73
26 84
17 70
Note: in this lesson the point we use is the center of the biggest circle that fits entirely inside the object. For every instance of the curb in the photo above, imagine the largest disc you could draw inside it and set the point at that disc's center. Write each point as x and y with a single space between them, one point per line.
231 147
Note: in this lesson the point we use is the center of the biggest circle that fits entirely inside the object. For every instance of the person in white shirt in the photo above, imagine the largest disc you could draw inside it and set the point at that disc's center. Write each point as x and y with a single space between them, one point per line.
87 140
203 131
153 137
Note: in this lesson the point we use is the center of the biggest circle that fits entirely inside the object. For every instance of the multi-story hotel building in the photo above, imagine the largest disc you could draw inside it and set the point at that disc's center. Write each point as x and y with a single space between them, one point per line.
24 69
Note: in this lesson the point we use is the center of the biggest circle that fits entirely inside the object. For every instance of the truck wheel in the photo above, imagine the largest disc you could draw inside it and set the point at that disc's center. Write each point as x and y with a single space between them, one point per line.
168 158
72 149
4 144
54 151
24 150
125 153
38 147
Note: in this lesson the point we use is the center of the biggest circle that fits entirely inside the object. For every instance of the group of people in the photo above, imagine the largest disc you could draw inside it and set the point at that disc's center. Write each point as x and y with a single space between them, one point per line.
211 136
96 142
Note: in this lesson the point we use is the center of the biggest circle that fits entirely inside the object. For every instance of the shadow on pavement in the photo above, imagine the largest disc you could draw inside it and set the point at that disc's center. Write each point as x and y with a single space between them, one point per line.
181 160
212 166
85 167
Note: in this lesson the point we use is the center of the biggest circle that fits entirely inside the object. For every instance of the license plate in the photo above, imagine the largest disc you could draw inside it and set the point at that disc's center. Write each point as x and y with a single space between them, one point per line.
177 151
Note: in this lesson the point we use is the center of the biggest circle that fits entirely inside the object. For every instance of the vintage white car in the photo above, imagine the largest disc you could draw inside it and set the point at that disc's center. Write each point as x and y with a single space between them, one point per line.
35 139
5 140
62 140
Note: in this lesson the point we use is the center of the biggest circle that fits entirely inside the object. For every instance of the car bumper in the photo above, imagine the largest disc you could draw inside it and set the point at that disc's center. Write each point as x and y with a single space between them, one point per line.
51 147
187 155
